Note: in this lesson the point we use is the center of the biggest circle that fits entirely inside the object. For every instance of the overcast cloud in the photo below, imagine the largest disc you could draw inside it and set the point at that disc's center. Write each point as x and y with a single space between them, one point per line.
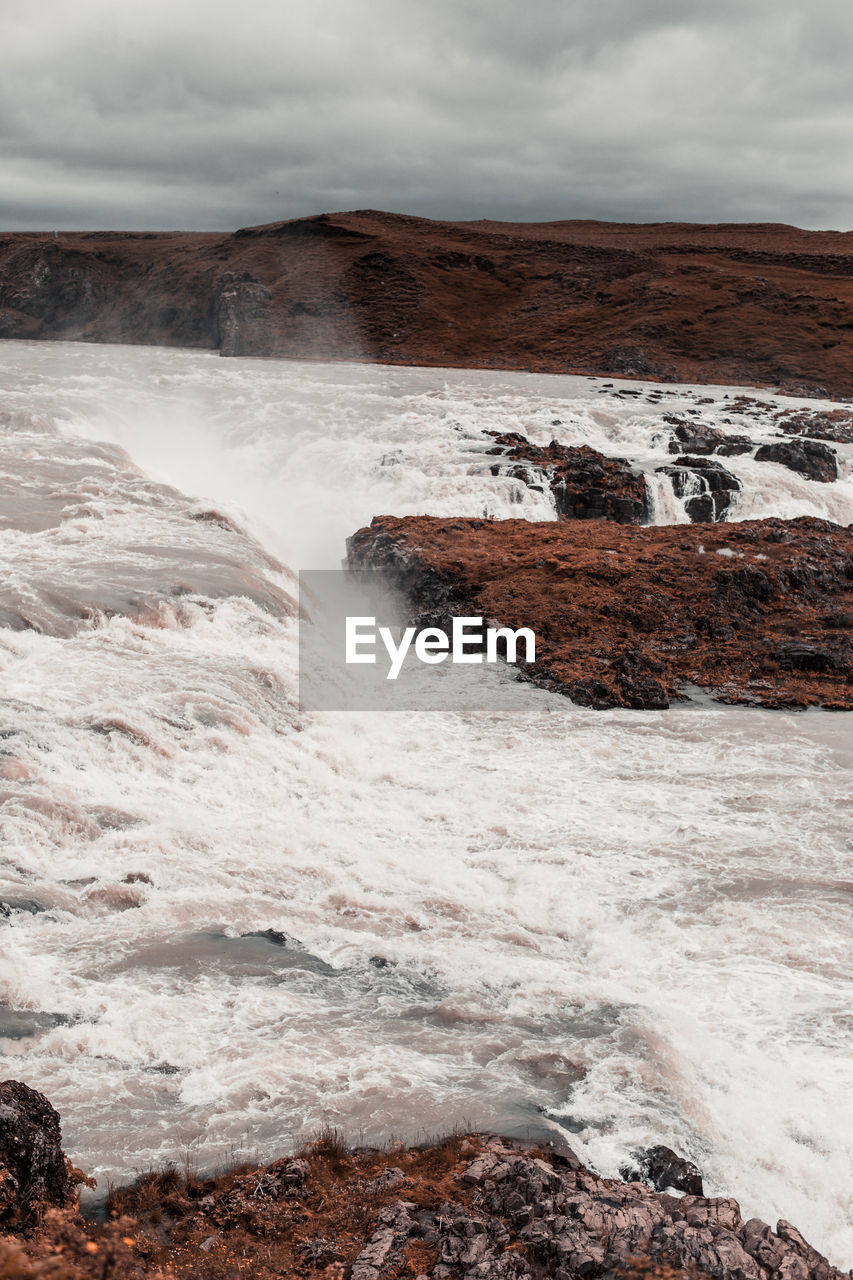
177 113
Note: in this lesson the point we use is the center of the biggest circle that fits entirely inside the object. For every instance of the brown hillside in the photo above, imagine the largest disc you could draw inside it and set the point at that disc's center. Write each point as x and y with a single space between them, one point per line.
761 304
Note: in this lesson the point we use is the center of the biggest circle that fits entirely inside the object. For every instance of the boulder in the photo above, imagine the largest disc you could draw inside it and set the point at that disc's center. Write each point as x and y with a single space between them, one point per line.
810 458
701 438
664 1170
33 1171
830 424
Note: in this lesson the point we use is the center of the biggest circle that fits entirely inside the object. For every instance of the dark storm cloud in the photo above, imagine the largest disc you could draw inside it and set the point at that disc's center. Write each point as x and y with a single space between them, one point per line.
213 115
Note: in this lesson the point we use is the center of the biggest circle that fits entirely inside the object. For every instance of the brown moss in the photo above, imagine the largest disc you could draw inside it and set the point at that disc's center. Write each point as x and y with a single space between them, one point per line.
254 1221
755 611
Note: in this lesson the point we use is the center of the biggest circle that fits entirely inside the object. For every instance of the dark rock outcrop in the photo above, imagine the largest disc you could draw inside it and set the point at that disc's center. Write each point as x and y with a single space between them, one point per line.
664 1170
33 1171
753 611
242 315
705 485
18 1024
586 485
535 1216
812 459
703 439
835 425
632 362
29 906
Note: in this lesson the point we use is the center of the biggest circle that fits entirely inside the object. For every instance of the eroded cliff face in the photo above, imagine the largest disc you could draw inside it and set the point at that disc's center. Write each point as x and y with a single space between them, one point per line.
743 304
756 612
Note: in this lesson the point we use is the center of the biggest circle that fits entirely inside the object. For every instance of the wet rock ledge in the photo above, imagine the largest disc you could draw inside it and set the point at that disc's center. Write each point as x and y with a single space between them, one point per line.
756 612
474 1207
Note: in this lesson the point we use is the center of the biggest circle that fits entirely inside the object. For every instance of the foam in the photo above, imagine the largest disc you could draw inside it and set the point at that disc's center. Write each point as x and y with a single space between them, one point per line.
625 923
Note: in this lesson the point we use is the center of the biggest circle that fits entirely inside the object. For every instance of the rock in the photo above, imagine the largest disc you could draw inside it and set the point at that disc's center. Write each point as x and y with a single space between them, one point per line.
662 1169
386 1241
705 486
638 684
831 424
703 439
276 937
384 1181
586 485
320 1250
762 1244
29 906
810 458
796 656
33 1171
630 616
480 1168
628 362
572 1225
242 311
19 1024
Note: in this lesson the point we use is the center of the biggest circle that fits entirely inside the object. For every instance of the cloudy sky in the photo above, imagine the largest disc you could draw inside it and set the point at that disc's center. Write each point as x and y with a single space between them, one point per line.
177 113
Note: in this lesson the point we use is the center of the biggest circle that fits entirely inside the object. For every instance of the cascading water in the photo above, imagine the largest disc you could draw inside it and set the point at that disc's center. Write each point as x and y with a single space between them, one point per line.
230 922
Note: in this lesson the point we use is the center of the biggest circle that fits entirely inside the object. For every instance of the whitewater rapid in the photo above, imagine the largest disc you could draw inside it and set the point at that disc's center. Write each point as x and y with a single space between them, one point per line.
633 926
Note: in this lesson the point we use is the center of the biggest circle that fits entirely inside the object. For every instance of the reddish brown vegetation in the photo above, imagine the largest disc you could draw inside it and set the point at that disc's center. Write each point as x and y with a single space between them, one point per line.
303 1216
467 1208
762 304
759 611
307 1216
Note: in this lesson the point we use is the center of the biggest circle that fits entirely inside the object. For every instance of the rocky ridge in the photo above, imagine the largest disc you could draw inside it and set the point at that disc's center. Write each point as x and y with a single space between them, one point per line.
757 304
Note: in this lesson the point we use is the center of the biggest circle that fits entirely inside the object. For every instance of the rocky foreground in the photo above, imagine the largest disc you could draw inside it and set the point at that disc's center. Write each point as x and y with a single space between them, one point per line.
476 1207
742 304
757 612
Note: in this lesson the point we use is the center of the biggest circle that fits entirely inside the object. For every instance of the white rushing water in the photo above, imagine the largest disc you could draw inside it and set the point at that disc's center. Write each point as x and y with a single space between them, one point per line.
632 925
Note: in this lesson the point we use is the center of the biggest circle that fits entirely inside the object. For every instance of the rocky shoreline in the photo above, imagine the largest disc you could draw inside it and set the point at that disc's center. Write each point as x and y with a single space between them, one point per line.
756 612
468 1207
745 304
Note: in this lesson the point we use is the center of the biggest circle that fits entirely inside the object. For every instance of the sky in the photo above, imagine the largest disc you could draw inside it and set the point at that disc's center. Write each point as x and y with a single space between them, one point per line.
173 114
